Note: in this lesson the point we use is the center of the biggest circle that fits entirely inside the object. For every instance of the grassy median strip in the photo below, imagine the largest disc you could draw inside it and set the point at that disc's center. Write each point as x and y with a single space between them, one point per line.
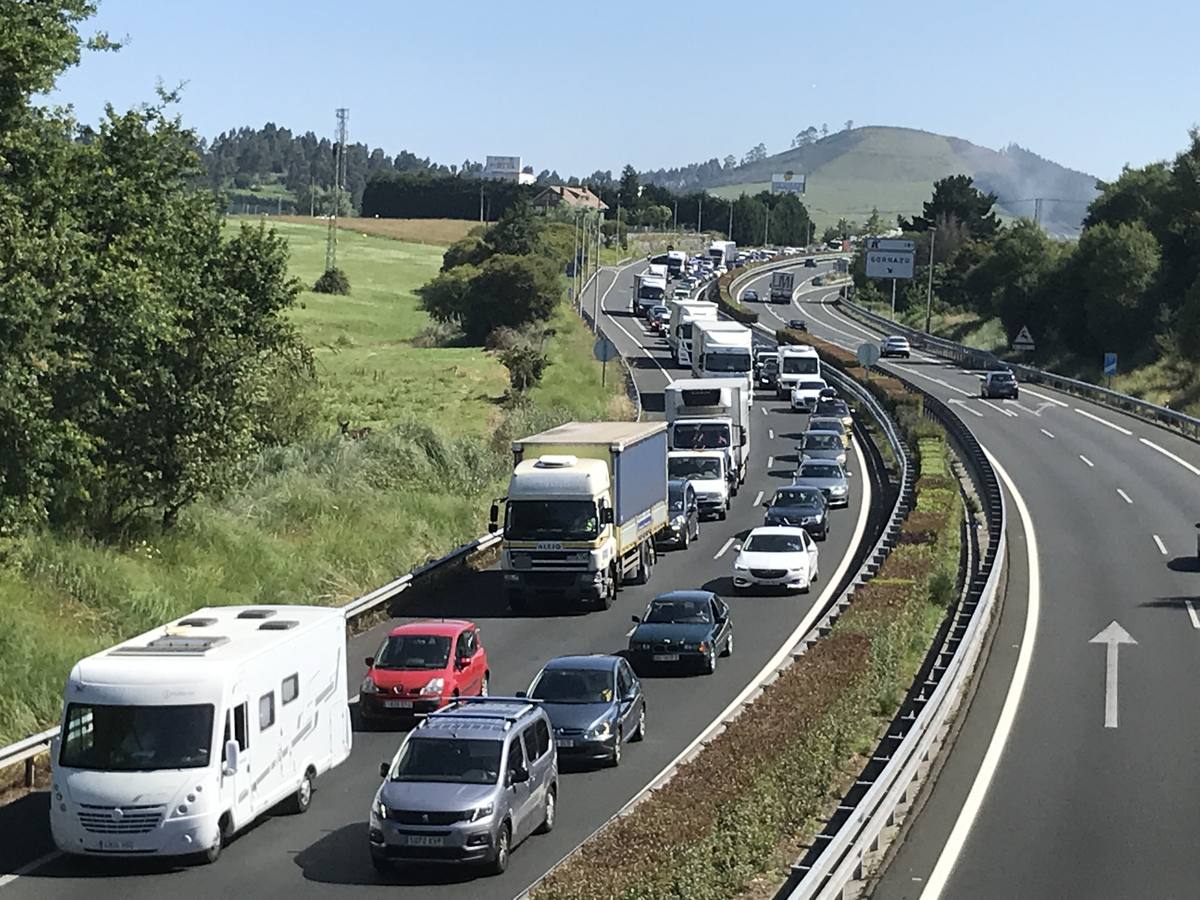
728 817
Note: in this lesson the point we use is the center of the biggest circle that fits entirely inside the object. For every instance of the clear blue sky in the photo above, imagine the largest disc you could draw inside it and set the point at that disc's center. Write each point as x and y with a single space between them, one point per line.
578 87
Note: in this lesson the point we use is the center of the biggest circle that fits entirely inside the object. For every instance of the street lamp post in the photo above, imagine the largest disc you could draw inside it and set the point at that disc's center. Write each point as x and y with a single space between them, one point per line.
767 229
700 215
929 287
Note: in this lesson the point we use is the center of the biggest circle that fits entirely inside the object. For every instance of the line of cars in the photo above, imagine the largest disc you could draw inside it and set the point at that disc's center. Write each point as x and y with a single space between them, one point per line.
997 385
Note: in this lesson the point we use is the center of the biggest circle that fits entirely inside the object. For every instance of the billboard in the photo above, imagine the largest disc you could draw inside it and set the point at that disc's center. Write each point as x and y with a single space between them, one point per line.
889 264
503 165
787 183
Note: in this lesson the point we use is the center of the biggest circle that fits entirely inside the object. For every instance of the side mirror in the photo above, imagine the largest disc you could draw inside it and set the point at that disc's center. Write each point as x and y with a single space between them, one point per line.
518 776
231 757
849 474
494 517
370 661
606 516
460 662
520 694
637 620
384 769
742 437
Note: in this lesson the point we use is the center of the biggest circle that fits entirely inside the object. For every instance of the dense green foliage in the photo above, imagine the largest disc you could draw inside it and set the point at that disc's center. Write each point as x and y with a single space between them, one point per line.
138 347
332 281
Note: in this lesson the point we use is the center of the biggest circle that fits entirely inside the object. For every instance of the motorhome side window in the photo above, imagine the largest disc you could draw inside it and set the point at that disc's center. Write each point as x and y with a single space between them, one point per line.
266 710
290 689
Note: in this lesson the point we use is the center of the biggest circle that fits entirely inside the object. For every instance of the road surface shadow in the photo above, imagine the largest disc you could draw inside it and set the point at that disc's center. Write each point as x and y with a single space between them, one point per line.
1184 564
1180 602
342 857
25 824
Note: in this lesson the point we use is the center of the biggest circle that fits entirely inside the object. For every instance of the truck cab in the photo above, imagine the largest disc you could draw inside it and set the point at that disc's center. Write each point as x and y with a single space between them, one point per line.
711 414
706 469
796 362
723 350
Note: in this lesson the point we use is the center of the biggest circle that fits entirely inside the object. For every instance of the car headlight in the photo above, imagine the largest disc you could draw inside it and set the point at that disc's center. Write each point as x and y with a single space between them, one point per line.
380 809
841 459
368 686
601 731
740 567
838 489
677 522
435 686
482 812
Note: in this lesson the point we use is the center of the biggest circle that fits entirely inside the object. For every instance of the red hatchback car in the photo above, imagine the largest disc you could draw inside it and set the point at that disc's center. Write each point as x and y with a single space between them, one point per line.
421 667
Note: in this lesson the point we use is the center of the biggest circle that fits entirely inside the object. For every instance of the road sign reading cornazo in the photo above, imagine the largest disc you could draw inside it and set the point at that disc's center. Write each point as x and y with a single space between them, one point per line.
1023 340
889 264
890 244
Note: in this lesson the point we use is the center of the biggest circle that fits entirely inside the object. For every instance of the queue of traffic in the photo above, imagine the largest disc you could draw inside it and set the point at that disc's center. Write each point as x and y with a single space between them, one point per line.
174 741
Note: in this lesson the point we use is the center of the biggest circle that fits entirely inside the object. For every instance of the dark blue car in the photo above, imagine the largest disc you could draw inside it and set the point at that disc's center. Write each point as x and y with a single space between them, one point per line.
682 628
595 704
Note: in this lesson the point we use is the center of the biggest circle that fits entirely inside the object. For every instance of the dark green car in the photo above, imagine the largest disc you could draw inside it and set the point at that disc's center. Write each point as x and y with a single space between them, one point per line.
682 629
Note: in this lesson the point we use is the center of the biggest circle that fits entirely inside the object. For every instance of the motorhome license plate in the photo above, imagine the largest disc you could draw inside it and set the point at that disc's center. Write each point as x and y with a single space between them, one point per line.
666 657
398 704
424 840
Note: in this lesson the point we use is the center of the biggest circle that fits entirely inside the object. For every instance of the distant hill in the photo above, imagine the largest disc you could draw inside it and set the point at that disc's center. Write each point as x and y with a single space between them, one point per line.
850 172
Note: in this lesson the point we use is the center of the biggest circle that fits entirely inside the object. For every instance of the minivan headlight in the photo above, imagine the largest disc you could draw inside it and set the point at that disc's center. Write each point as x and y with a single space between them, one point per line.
482 812
380 809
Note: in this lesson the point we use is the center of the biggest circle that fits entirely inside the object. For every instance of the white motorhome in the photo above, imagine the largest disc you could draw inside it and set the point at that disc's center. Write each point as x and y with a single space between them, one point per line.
711 414
174 740
796 361
679 332
722 349
723 253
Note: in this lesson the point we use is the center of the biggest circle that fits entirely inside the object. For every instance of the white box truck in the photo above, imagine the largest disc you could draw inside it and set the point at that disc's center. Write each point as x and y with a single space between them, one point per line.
796 361
584 504
648 290
711 414
176 739
782 284
706 470
679 331
722 349
723 253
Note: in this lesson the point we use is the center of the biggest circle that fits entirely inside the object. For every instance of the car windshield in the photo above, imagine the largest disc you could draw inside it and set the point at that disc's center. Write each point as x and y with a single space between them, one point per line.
800 365
457 760
774 543
561 520
751 295
414 651
825 423
574 686
810 385
817 470
821 441
694 467
727 362
711 436
682 612
808 497
136 738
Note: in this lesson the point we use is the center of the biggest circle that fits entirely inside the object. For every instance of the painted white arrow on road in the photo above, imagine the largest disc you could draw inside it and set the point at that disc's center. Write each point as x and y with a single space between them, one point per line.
1112 637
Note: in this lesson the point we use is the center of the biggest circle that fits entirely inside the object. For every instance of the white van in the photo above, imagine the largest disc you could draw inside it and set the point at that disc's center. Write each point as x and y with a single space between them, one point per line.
174 740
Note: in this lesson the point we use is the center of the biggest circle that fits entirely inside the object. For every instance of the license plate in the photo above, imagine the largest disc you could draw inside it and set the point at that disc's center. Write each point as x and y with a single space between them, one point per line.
424 840
398 704
116 845
666 657
565 742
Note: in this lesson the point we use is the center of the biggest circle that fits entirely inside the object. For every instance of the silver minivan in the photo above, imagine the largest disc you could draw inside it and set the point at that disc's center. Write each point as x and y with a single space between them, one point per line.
467 785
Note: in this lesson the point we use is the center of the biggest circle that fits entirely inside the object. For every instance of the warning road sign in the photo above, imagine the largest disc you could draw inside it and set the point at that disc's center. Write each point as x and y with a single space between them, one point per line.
1023 340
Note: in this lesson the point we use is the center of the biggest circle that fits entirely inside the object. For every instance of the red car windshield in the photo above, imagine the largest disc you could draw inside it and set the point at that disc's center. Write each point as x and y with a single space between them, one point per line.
414 651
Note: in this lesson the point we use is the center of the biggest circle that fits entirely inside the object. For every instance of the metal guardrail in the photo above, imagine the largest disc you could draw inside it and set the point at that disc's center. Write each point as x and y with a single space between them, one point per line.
838 856
974 358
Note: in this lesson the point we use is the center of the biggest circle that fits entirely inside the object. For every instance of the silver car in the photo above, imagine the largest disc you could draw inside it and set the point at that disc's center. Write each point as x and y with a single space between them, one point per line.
831 478
468 784
825 445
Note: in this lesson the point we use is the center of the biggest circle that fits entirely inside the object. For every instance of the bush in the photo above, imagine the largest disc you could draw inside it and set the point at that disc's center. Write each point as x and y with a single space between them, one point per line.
525 367
332 281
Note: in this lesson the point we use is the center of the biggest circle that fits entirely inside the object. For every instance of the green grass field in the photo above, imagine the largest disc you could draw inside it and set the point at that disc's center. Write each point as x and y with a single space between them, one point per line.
323 520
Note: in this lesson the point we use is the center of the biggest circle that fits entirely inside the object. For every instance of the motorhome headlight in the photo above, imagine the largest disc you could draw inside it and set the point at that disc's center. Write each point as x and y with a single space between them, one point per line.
482 812
434 686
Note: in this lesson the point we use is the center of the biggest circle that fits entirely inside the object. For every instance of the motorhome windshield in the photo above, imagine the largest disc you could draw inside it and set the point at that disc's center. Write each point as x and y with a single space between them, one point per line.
698 467
708 436
731 361
557 520
136 738
800 365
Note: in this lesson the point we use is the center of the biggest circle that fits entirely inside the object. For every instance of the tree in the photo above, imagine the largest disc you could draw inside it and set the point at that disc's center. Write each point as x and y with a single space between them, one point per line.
956 198
824 130
730 161
1115 267
805 137
525 367
518 231
1010 278
849 125
874 225
628 194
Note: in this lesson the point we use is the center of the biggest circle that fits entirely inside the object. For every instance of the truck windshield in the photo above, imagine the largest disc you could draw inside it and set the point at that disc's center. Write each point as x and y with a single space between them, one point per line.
710 436
136 738
556 520
727 362
707 468
800 365
458 760
650 292
685 331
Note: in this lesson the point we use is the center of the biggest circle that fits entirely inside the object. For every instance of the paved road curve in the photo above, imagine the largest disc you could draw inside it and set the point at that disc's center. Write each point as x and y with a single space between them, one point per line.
324 853
1067 807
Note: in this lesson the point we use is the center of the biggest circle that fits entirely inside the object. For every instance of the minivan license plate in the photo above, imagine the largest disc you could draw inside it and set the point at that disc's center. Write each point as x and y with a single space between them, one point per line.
425 840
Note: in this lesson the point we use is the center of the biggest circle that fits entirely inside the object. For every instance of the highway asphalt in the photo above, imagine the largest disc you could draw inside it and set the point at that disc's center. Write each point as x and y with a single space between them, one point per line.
1039 798
324 852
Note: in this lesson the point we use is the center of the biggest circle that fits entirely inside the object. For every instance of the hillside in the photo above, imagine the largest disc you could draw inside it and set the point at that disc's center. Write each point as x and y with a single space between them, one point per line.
894 169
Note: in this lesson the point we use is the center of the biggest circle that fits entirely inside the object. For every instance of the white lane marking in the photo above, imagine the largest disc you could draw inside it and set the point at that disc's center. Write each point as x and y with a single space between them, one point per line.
604 312
29 867
770 460
724 547
999 409
1047 433
1191 608
1008 713
1169 455
1112 637
764 409
771 433
1124 496
1162 548
1091 465
961 405
758 498
944 384
1113 426
631 631
1028 390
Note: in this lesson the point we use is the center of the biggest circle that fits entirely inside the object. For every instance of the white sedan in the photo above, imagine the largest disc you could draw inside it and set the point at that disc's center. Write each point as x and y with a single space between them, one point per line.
806 393
777 556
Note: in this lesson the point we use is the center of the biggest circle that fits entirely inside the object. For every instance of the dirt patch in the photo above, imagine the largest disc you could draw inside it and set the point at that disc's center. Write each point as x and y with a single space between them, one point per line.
442 232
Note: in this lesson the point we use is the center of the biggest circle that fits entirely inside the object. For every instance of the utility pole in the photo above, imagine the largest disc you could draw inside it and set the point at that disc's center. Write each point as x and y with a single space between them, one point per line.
810 227
893 298
700 215
929 288
1037 212
312 198
767 229
596 284
480 201
729 235
575 263
339 177
675 218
